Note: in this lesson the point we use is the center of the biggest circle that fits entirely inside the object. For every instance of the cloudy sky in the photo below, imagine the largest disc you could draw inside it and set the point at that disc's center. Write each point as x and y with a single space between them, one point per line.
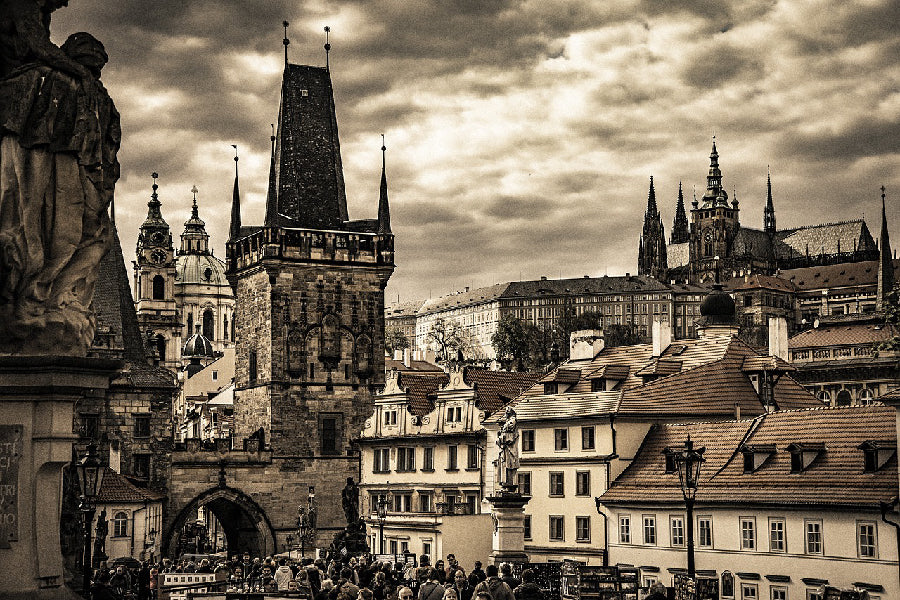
521 134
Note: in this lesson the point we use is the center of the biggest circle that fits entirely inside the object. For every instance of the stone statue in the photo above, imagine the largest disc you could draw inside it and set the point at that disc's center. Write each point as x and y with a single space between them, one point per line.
508 442
59 137
350 501
101 531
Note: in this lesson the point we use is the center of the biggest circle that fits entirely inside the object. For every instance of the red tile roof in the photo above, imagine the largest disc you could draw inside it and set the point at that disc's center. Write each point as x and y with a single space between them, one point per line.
835 478
841 275
758 281
420 386
391 364
843 334
116 488
494 389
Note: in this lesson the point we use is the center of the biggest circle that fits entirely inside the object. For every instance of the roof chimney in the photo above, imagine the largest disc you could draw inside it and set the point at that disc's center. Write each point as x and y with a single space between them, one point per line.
778 337
406 358
662 337
585 344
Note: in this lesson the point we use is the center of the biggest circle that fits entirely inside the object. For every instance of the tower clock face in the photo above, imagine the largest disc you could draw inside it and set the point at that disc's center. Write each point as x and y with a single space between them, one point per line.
158 257
158 238
709 235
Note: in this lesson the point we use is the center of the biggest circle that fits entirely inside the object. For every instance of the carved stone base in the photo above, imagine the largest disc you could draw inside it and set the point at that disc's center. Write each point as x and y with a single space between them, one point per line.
508 510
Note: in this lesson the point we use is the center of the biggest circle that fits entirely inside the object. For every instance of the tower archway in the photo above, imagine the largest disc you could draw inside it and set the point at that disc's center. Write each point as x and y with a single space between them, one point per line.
246 527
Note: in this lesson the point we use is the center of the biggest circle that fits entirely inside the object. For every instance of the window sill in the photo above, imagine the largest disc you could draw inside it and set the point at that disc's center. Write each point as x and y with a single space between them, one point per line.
428 470
556 495
582 495
583 541
449 469
472 469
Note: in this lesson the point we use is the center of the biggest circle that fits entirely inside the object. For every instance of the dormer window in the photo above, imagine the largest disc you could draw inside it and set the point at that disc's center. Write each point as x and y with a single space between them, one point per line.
390 417
551 387
671 463
804 454
454 414
876 453
756 456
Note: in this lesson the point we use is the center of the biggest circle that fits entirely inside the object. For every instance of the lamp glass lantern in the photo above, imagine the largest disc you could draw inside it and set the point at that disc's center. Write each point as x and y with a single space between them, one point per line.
90 474
689 462
381 507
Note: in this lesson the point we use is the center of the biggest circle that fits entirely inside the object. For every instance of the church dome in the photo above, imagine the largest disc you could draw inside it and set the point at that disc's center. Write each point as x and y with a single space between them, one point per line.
202 269
718 307
197 346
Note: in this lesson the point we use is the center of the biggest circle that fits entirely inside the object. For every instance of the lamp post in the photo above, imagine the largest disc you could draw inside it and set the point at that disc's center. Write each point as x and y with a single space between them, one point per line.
381 506
151 541
689 462
290 545
306 520
90 480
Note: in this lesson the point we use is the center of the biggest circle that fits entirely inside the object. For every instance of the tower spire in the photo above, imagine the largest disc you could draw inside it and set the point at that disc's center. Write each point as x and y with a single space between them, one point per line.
715 194
327 47
384 211
652 245
769 213
680 232
885 262
234 231
652 209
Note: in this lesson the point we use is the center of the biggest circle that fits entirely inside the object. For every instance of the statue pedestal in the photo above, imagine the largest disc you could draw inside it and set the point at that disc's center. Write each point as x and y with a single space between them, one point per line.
508 510
37 399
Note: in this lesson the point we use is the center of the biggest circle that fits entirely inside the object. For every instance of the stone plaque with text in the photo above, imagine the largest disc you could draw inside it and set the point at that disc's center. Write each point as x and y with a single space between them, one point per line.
10 455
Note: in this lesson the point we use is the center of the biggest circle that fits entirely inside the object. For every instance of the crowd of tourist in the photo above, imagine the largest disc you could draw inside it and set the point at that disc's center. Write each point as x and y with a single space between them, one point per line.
362 578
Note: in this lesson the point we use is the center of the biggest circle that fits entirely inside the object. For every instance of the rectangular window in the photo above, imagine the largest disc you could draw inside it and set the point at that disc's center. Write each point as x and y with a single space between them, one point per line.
406 459
587 438
425 502
551 387
557 528
471 504
330 433
524 481
624 529
749 591
381 462
557 484
392 545
582 483
390 417
141 466
426 549
472 457
528 440
454 414
452 465
676 523
813 537
598 384
527 527
778 593
560 439
704 532
90 426
428 458
815 595
142 426
866 540
650 529
777 536
402 502
582 529
748 533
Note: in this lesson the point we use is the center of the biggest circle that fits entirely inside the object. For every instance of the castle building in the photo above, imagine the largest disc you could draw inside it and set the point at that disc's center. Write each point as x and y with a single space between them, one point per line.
715 241
175 292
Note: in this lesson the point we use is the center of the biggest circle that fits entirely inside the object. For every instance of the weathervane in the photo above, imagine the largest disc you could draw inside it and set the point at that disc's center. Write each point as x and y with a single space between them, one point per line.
286 42
194 191
327 46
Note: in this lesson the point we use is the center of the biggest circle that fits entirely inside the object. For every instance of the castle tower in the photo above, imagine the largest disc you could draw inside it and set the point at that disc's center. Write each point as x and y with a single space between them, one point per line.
154 285
309 290
680 231
714 225
652 249
769 212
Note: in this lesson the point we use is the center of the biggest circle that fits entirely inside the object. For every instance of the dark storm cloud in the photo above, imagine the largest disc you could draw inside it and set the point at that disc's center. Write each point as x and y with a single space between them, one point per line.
720 64
861 138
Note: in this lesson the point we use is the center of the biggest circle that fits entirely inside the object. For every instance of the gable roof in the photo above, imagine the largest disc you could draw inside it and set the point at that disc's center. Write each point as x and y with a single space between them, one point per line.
835 478
827 238
116 488
758 281
843 334
834 276
494 389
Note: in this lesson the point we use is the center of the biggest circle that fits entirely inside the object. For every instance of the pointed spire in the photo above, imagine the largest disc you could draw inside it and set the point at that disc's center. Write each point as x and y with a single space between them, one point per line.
154 230
234 231
194 213
885 262
769 213
384 210
327 48
715 194
680 232
652 210
286 42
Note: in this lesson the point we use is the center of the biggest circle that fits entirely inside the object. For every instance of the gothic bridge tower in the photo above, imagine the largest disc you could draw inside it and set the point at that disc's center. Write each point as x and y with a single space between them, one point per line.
308 332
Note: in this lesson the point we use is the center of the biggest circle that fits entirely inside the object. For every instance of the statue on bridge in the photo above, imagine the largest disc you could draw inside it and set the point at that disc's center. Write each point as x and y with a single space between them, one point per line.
350 501
100 533
59 137
508 442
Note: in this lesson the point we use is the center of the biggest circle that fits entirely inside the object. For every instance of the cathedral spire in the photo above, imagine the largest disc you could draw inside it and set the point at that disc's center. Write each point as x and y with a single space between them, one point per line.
384 210
652 210
769 213
234 231
680 232
154 230
715 194
652 245
885 262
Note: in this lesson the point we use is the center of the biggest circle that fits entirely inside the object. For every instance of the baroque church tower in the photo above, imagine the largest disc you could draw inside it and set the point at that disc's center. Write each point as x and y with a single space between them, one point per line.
652 249
154 285
309 289
714 226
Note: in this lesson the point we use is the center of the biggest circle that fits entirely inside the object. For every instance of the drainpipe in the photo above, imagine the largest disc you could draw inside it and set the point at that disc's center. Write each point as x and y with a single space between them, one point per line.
605 521
133 522
889 506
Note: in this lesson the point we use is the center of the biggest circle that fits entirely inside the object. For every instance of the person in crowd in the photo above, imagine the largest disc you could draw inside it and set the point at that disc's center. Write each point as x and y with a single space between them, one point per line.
404 593
100 588
303 584
496 587
432 588
120 582
283 574
365 594
143 581
441 571
325 592
452 566
461 585
477 574
450 594
657 591
528 589
380 587
345 585
483 595
507 576
154 582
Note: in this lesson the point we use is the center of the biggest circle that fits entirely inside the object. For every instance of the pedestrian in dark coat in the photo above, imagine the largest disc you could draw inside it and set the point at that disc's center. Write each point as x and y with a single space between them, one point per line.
528 589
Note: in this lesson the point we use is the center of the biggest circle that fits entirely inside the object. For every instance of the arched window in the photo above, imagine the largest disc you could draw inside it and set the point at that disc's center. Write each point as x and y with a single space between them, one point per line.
866 396
225 327
190 325
843 398
208 324
120 524
159 288
824 396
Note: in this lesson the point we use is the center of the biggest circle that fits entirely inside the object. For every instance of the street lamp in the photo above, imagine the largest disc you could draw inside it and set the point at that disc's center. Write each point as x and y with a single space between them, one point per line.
689 462
290 545
306 520
90 480
381 506
151 540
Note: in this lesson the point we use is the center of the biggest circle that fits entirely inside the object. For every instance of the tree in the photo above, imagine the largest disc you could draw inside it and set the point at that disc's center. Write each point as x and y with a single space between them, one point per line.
891 321
395 340
448 339
512 341
621 335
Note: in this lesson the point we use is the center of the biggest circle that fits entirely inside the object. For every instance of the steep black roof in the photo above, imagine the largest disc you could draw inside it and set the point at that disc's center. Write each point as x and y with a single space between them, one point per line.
306 184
